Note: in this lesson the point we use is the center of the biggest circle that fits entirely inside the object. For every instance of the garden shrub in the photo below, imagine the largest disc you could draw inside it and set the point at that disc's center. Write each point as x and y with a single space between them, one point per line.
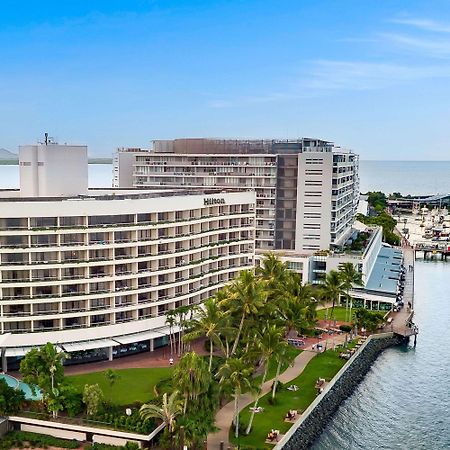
127 446
21 438
345 328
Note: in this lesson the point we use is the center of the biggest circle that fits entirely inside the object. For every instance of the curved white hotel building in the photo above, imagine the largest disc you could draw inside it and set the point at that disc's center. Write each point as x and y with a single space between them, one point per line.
95 271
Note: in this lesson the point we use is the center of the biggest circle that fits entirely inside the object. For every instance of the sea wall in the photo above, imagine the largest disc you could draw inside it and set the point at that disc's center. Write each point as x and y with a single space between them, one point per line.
311 423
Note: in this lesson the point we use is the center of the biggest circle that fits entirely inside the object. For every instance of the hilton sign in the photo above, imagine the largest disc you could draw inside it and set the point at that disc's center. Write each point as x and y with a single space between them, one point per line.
213 201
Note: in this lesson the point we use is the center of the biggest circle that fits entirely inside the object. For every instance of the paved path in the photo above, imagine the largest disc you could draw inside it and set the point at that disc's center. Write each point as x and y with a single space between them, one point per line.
401 319
158 358
224 416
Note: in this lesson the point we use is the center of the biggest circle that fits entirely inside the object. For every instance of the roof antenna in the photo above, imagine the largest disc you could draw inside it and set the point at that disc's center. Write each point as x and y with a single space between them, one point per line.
46 138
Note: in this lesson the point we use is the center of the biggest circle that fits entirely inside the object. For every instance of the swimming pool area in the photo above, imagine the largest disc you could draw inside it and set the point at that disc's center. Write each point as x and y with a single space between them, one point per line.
24 387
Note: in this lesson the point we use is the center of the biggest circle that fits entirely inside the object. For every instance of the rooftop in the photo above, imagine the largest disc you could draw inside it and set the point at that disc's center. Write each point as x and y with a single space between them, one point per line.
386 271
12 195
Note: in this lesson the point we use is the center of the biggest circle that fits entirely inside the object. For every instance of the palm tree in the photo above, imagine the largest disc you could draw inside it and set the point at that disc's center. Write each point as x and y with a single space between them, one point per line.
53 360
248 297
333 288
282 356
294 315
111 377
209 322
171 321
236 374
272 270
350 277
192 377
168 412
181 313
269 341
297 309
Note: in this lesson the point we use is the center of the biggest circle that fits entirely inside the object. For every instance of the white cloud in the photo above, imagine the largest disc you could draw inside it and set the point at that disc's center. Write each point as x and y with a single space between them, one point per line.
399 67
362 75
437 48
424 24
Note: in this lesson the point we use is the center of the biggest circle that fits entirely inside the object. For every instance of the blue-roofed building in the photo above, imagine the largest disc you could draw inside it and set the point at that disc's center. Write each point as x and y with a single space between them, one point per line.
379 264
382 286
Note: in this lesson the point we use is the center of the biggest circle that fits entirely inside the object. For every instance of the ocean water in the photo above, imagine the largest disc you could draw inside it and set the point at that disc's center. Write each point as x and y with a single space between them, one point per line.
404 401
100 175
406 177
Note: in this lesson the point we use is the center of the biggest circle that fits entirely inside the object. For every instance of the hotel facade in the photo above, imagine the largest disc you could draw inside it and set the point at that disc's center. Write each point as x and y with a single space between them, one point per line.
307 194
307 190
96 271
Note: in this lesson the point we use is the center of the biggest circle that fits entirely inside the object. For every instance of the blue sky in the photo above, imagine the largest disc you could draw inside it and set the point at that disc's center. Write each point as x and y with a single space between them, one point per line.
371 75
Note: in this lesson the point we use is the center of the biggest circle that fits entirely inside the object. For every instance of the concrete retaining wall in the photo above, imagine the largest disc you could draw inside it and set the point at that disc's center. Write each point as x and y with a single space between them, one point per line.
312 422
80 432
55 432
3 426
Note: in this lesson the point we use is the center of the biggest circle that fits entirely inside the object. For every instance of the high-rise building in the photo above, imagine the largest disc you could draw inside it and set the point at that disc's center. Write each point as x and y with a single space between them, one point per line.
96 271
307 189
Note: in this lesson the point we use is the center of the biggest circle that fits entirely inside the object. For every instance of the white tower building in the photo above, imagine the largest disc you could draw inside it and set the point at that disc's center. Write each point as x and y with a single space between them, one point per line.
51 170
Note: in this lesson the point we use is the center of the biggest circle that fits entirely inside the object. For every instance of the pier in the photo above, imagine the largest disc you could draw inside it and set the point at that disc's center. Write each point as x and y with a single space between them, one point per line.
402 321
431 250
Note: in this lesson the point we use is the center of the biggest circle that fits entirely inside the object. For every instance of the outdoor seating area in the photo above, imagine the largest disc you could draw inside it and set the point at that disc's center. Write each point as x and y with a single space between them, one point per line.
258 409
348 354
273 436
291 416
320 385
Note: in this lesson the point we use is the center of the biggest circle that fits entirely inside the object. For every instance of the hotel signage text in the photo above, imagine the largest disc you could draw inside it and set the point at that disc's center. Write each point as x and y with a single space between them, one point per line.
213 201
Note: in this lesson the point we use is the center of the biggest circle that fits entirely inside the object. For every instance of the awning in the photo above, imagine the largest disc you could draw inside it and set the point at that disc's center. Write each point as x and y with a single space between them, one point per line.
17 351
137 337
89 345
165 331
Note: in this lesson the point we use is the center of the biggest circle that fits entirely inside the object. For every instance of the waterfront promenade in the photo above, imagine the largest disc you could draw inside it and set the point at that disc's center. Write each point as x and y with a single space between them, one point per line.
401 320
225 415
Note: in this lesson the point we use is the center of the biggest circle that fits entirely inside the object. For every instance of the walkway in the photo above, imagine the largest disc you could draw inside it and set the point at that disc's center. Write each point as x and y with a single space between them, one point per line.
401 319
158 358
225 415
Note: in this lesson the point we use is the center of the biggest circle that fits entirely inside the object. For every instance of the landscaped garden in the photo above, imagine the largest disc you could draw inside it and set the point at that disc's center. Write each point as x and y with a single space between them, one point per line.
324 365
340 313
25 439
131 385
246 325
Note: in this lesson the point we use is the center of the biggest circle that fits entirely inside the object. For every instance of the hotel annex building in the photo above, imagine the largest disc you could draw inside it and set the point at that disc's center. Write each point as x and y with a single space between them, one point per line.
95 271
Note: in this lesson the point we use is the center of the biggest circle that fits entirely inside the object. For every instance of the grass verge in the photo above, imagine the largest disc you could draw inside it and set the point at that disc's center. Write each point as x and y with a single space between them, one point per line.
133 385
292 352
339 313
324 365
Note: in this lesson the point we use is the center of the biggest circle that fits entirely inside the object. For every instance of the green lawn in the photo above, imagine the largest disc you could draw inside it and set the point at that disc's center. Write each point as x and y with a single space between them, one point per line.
339 313
324 365
134 385
292 352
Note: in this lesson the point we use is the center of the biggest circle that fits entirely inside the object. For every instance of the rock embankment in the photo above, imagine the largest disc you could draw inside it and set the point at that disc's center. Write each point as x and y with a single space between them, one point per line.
313 421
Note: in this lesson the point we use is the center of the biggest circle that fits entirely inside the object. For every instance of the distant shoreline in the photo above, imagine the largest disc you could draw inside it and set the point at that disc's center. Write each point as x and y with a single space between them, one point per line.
15 162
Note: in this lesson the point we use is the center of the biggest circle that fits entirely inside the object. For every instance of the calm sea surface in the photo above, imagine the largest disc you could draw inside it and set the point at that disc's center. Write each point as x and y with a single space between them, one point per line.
407 177
404 401
100 175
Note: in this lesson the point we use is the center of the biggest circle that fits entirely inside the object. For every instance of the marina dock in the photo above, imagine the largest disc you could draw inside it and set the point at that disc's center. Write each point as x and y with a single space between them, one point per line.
432 250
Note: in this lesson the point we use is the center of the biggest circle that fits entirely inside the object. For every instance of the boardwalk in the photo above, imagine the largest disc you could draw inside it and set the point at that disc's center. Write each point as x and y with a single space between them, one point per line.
225 415
401 323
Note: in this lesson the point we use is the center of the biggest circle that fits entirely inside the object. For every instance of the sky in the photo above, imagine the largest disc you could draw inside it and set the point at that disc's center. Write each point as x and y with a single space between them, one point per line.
372 76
